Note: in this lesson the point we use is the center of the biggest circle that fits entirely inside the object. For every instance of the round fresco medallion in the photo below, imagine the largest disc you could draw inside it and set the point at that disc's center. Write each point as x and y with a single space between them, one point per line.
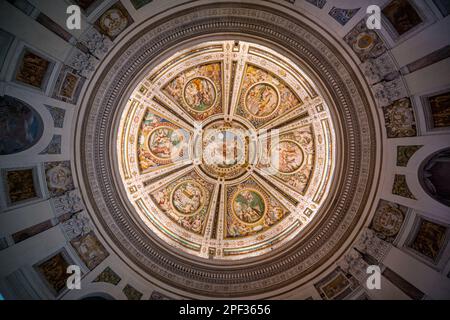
287 157
199 94
224 149
262 99
249 206
187 198
21 126
164 142
388 220
365 41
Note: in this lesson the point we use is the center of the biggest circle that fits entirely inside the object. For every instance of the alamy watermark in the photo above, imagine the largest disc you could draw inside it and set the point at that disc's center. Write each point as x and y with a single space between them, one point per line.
373 281
73 22
373 21
73 282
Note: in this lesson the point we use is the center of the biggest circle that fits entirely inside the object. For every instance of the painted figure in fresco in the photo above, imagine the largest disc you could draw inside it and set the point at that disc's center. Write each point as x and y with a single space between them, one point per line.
288 99
440 110
305 139
162 142
203 75
33 69
187 198
20 185
90 249
69 85
212 71
113 22
20 126
199 94
261 100
54 271
193 223
275 215
336 286
183 204
402 15
249 206
254 75
224 149
289 156
175 87
162 199
159 142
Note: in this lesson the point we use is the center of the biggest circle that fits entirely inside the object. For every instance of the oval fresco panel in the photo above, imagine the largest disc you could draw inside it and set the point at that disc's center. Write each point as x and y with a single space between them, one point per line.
164 142
188 198
249 206
365 42
262 100
287 157
199 94
21 127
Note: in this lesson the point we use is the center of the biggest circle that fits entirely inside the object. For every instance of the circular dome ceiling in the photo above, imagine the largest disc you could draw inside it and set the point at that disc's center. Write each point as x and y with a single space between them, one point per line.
226 150
228 157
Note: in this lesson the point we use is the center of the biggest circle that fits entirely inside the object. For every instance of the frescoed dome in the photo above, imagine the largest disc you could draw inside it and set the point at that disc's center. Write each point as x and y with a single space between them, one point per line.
237 140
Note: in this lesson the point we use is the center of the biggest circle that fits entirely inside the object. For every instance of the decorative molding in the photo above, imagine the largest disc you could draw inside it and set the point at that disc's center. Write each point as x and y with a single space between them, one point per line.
388 220
97 44
70 202
386 92
354 264
399 119
84 63
370 244
78 225
364 42
378 69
